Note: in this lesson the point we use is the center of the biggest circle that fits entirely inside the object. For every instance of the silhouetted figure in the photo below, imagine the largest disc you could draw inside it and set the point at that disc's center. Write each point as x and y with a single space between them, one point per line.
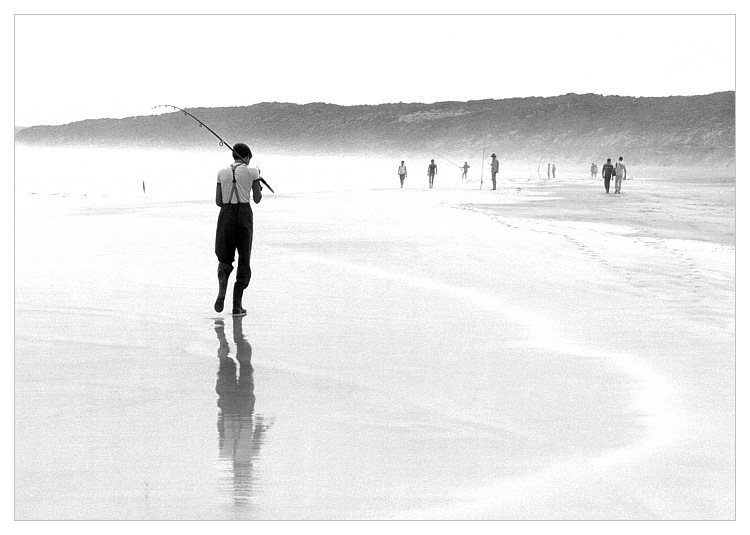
465 167
594 170
553 170
494 168
431 172
607 170
241 432
548 170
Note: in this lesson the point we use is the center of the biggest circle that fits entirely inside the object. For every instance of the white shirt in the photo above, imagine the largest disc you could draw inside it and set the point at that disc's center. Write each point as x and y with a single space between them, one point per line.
244 175
620 169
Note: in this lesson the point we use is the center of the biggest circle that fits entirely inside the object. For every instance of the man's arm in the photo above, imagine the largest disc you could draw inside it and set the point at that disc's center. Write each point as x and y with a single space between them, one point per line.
219 196
257 195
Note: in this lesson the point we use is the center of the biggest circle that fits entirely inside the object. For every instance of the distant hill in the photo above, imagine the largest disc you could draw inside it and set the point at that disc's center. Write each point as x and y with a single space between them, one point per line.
693 130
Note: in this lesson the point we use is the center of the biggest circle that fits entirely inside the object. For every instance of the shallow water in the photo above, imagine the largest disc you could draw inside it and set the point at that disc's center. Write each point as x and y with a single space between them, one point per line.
401 358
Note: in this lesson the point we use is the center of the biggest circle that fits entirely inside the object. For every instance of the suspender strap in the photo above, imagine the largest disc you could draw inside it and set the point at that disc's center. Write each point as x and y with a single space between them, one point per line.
234 188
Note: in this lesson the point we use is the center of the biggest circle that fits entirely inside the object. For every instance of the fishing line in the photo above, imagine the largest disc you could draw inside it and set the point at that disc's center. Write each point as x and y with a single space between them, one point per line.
447 160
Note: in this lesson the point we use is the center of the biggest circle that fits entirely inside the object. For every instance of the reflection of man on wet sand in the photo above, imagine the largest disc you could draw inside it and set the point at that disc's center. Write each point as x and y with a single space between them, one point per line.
241 432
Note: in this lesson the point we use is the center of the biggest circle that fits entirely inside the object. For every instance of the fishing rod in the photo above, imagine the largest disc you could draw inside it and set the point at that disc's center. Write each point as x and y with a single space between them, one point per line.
222 143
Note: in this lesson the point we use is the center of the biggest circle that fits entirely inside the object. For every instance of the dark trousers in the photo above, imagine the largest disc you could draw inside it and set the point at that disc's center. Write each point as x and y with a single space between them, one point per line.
234 232
606 183
494 180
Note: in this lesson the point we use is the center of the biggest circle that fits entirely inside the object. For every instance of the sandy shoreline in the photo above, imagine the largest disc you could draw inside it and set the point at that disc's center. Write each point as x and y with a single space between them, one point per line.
543 351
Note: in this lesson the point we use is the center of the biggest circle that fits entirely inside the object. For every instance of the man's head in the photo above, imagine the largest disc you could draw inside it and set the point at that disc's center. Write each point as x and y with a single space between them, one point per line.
241 152
432 161
402 162
609 160
493 155
620 158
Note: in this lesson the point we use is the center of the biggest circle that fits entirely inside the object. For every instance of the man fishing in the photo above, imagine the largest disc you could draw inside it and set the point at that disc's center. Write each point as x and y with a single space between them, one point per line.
465 169
495 168
234 228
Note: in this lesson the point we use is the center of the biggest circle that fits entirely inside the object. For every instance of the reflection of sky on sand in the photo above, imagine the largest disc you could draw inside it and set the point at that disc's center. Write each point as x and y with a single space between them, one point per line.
241 431
540 351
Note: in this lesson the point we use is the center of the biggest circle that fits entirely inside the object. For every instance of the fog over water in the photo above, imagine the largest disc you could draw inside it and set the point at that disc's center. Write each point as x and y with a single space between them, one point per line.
191 175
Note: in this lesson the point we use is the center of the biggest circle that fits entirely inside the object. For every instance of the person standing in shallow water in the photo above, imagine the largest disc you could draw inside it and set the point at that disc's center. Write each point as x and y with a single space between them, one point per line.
234 229
594 169
607 170
402 173
621 174
465 168
494 168
431 172
548 170
553 170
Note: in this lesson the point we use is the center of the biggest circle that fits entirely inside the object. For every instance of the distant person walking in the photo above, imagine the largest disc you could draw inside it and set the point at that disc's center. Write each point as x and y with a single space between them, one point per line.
607 170
621 174
594 169
495 168
402 173
465 168
553 170
548 168
431 172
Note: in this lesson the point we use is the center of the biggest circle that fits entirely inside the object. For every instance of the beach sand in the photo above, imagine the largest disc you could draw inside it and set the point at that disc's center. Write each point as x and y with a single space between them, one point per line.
544 351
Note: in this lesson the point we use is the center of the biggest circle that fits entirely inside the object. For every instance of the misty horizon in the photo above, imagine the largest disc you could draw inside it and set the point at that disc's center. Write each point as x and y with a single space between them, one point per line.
697 130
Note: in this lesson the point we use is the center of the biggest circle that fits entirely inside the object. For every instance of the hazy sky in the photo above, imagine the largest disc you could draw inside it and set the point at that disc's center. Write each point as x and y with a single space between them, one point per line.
75 67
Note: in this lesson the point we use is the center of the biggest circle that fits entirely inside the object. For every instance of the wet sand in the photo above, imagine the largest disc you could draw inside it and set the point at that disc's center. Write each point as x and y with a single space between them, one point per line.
544 351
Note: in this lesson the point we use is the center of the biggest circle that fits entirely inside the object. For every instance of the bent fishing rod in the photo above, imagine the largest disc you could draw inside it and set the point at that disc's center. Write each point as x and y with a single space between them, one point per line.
222 143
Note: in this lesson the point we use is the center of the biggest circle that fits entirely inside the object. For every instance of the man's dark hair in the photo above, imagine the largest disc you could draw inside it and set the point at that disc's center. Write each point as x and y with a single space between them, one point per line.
609 160
241 151
620 158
